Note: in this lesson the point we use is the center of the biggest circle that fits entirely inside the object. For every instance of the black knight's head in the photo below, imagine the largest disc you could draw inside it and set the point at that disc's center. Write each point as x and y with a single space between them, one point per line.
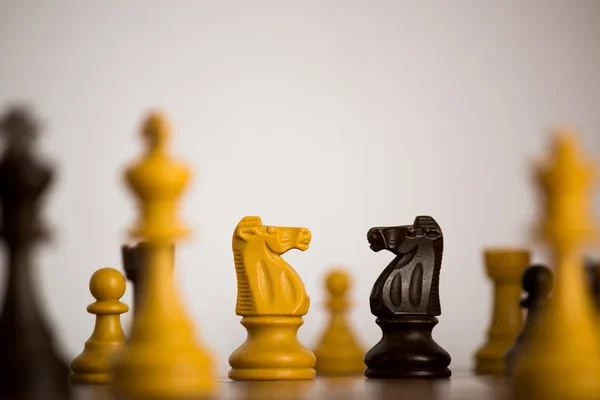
402 239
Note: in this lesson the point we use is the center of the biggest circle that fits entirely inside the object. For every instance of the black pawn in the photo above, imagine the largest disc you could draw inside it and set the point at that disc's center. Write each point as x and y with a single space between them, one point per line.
30 364
593 274
405 300
537 281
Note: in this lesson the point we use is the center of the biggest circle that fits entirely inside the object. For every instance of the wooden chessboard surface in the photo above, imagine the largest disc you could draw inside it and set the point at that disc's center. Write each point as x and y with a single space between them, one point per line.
462 386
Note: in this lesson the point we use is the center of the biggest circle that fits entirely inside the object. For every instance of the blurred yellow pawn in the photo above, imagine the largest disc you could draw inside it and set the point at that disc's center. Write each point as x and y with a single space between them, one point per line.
93 365
338 352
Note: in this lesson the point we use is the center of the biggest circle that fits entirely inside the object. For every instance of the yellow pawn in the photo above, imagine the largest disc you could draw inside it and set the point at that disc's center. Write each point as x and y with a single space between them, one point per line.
561 360
163 359
272 300
94 364
338 352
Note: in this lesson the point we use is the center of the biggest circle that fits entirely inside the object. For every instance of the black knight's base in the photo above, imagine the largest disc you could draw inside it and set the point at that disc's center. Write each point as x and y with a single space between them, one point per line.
407 350
405 300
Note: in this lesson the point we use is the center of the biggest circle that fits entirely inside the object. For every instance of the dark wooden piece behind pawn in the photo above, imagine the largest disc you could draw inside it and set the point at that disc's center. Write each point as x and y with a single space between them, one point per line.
405 300
593 276
134 258
538 281
30 365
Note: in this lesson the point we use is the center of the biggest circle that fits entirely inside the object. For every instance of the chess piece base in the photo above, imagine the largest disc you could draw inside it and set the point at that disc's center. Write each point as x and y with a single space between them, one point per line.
339 361
162 359
350 365
92 366
272 351
46 379
490 359
150 372
407 350
31 367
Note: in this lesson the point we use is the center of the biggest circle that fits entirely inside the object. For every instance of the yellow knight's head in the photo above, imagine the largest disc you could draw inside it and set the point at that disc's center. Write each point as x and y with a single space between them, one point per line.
277 239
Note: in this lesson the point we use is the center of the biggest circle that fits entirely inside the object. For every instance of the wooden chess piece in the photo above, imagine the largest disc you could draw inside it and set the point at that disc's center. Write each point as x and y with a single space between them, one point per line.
593 274
162 359
405 300
134 258
338 352
94 365
505 267
31 366
562 358
271 300
537 282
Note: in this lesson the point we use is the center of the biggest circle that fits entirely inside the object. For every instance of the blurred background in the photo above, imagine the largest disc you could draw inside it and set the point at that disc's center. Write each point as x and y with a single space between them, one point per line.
331 115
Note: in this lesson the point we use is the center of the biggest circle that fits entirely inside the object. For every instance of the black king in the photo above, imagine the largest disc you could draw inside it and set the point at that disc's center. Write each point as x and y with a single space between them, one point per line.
30 364
405 300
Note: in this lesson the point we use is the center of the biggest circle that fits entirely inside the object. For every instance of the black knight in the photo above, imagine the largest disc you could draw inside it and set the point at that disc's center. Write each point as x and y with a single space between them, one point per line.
405 300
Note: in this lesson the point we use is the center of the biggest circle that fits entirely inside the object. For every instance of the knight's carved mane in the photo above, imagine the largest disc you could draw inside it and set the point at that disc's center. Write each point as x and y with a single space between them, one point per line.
244 300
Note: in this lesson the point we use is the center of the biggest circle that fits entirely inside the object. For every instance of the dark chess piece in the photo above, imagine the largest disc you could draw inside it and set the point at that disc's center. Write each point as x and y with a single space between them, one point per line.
538 281
134 258
405 300
593 274
30 364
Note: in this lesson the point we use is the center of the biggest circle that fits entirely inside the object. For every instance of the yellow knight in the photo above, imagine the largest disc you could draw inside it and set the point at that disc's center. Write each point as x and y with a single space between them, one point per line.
272 300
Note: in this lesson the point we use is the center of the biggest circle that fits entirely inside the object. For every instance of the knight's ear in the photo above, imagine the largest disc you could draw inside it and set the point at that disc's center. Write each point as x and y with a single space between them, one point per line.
246 233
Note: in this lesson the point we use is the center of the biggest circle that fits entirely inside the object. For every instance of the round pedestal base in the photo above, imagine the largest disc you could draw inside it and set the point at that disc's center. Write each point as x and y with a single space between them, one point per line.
407 350
272 351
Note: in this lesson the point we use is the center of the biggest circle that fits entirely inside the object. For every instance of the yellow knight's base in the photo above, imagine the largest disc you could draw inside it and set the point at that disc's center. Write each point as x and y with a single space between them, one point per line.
153 372
272 351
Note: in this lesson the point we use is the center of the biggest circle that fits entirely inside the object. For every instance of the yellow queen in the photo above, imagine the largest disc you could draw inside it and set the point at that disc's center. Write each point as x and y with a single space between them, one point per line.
162 359
561 360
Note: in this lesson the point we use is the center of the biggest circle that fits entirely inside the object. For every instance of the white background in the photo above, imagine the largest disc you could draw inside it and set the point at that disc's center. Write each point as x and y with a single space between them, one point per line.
332 115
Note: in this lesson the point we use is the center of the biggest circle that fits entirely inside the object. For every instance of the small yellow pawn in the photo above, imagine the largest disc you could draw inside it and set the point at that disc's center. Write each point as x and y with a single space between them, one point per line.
338 353
93 365
272 300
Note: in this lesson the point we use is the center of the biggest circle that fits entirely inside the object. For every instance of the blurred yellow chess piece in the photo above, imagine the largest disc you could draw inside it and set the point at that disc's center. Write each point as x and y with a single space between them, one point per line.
272 300
94 364
338 352
162 359
562 359
505 267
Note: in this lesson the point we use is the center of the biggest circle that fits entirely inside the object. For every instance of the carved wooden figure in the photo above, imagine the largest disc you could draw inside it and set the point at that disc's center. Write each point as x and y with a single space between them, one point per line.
94 365
537 282
31 366
134 259
562 358
405 300
505 267
593 274
163 357
338 351
272 300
